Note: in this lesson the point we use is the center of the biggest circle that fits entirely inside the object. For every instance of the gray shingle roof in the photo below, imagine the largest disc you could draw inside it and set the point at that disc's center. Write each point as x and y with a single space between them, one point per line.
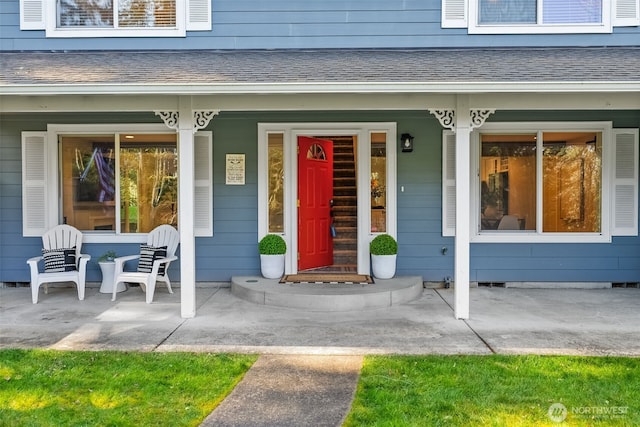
312 67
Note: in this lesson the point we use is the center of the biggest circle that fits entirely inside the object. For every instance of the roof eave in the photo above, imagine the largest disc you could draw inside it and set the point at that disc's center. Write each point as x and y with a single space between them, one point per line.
448 87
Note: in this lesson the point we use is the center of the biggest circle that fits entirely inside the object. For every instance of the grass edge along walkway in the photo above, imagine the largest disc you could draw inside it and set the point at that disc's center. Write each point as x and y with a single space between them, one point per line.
497 390
55 388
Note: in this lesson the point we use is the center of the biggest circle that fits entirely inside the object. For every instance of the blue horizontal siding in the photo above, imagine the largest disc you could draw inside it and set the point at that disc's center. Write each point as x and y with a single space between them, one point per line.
232 249
287 24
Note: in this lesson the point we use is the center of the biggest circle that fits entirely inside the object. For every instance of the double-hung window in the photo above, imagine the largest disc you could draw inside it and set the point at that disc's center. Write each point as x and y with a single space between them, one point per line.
116 18
549 182
539 16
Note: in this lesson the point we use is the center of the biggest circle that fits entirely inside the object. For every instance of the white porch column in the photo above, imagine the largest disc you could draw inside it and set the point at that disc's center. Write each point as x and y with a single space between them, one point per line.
462 258
185 208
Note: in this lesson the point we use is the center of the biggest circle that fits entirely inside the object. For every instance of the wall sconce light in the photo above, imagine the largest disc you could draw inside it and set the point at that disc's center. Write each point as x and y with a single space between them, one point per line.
407 142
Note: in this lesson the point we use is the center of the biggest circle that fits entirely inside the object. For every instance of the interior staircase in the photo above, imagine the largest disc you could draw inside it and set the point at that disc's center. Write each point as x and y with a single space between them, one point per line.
345 208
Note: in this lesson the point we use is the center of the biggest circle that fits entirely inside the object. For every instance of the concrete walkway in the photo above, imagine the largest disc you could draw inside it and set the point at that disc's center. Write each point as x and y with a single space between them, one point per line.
291 391
316 351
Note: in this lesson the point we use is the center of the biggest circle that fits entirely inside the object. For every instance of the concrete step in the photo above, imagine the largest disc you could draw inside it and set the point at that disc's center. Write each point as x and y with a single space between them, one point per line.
327 297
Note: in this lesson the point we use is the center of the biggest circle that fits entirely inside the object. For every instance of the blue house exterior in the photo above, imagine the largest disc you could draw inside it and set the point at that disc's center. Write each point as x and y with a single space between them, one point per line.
529 115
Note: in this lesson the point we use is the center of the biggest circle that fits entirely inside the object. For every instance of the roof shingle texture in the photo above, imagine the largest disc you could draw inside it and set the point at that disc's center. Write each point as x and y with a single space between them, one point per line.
321 66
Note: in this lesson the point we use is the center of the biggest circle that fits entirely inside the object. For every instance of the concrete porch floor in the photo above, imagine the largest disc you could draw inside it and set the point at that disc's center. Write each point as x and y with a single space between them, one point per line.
508 321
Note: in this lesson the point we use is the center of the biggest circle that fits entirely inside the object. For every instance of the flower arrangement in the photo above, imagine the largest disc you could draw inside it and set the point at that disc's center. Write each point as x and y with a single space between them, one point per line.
377 189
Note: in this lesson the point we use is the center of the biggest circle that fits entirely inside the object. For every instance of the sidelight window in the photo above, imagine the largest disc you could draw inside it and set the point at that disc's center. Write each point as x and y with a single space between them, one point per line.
275 167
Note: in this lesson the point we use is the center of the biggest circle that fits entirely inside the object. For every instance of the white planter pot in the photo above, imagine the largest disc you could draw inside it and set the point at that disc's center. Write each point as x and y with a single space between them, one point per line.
272 266
383 266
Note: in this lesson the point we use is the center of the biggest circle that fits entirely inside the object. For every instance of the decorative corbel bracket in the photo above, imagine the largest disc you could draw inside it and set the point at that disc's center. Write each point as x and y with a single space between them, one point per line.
170 118
478 117
201 118
447 118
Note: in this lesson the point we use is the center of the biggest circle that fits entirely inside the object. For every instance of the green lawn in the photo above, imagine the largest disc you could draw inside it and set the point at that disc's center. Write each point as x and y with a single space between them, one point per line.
54 388
497 391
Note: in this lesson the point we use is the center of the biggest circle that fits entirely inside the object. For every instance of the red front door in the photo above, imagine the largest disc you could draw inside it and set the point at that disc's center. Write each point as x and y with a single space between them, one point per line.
315 191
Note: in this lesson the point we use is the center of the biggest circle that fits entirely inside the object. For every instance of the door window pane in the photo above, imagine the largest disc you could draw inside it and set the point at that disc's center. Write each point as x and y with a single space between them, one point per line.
276 182
378 182
572 180
508 182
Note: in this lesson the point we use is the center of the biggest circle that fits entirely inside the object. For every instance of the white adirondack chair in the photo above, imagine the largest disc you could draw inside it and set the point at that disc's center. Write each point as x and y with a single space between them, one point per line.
60 237
163 235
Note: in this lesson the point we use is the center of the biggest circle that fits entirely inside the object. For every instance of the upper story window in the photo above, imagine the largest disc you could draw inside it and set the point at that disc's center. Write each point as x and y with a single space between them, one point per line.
116 18
116 14
534 12
539 16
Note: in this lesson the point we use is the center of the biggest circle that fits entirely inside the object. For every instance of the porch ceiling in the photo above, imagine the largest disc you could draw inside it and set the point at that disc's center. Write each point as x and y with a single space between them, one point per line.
603 70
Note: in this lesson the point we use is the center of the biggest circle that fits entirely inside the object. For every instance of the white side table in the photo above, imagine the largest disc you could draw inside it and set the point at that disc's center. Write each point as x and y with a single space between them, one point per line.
108 270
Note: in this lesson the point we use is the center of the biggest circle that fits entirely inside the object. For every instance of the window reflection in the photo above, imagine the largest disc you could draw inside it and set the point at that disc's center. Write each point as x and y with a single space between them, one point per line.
276 182
116 14
572 177
88 181
571 181
378 182
148 182
145 190
518 12
508 182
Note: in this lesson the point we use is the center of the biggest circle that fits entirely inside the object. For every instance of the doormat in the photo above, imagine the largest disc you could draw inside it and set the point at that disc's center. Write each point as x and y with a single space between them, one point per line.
350 279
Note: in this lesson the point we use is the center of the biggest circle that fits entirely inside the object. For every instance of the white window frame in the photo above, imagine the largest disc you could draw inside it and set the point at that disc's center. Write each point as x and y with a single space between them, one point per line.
537 235
539 28
615 13
191 15
42 195
362 131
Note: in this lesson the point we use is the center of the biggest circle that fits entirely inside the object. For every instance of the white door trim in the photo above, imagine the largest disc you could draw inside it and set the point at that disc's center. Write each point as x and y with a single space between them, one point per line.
362 131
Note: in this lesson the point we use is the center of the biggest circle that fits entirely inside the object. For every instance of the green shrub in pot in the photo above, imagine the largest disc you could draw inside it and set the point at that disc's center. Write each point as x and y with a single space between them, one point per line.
383 244
272 248
384 250
272 244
